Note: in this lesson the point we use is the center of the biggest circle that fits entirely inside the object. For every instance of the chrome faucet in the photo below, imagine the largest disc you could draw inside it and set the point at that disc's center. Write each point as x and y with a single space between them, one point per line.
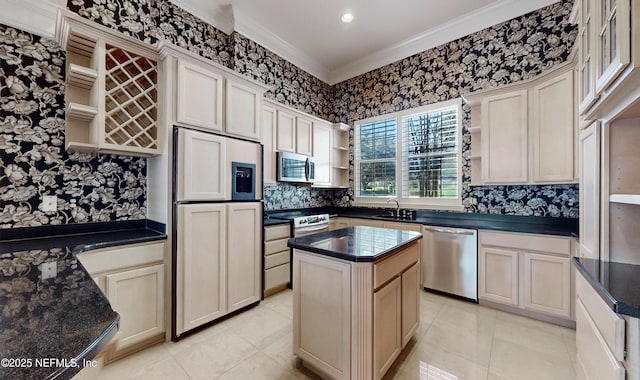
397 206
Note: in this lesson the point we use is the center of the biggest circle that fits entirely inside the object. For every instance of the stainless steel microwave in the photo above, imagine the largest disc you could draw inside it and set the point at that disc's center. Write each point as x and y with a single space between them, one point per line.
293 167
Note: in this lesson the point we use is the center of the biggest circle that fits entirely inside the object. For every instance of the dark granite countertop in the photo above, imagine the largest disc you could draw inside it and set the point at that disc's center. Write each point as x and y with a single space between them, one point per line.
359 244
50 326
505 223
273 222
618 284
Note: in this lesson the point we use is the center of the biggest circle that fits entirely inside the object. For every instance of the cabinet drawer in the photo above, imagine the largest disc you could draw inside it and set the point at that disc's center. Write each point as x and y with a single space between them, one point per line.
394 265
276 259
277 232
276 276
120 257
271 247
608 323
529 242
594 360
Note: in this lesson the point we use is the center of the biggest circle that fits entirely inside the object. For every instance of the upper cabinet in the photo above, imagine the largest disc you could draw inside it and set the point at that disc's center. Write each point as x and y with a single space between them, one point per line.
304 136
524 133
112 90
269 125
207 96
286 131
243 110
199 97
608 56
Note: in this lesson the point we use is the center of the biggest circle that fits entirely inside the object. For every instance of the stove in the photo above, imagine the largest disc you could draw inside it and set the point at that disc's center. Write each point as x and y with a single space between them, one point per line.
304 224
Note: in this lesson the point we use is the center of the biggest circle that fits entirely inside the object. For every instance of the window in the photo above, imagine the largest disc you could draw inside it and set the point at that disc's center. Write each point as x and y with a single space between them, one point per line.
413 156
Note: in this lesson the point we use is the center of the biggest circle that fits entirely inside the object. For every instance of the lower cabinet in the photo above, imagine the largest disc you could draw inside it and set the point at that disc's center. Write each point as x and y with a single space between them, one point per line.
526 271
218 261
351 320
132 278
276 258
338 223
600 337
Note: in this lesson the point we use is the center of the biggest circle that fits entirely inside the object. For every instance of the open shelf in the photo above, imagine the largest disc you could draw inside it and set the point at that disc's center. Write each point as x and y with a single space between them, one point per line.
474 130
78 147
631 199
81 76
345 148
81 111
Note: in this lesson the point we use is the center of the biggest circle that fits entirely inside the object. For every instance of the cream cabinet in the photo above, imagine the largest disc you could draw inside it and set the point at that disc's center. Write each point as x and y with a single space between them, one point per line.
504 138
200 270
132 278
612 39
286 132
527 272
200 153
372 313
199 96
217 267
523 133
244 259
387 326
277 263
112 94
553 129
243 106
322 152
586 60
589 141
207 96
304 136
600 336
338 223
366 222
499 275
269 131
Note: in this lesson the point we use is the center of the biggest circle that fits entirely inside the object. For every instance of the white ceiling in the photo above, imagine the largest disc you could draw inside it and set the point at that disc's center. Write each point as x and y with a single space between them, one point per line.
309 33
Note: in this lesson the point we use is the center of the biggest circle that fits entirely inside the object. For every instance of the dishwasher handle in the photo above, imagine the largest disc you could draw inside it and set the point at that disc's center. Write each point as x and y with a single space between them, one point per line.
449 231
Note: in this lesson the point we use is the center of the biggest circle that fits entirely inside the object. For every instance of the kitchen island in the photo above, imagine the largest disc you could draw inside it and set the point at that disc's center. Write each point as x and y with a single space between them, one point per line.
355 299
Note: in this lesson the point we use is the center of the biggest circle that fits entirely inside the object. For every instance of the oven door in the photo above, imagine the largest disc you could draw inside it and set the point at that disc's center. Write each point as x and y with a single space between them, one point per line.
310 230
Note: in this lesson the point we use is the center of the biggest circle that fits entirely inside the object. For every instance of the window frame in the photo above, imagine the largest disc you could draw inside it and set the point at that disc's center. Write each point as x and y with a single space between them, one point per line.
428 202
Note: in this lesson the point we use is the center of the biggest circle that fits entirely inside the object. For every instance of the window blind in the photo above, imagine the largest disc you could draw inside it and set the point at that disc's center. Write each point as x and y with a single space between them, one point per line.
375 155
430 154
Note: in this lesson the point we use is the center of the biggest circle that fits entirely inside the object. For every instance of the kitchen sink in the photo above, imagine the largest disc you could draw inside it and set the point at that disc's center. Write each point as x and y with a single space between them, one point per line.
394 217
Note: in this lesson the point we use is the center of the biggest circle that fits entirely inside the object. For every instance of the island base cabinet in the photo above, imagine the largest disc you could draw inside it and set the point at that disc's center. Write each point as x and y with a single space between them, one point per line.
321 314
387 325
352 319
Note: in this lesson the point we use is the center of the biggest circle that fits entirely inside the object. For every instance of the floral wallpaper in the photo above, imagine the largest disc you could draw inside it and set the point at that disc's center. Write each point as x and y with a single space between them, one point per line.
106 187
287 196
32 156
508 52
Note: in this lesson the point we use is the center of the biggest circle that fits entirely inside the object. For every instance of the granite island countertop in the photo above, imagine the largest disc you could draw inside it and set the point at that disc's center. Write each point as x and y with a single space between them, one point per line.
50 327
358 243
618 284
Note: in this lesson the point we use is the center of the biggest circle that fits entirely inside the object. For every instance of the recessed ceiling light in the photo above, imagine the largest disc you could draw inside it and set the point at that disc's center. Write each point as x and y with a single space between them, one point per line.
347 17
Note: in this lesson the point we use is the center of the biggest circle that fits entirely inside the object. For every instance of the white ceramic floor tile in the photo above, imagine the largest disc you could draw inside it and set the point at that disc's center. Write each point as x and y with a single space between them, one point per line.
260 326
211 358
259 367
519 361
456 340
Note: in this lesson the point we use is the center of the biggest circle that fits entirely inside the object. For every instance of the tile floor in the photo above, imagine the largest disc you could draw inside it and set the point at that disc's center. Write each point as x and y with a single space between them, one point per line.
456 340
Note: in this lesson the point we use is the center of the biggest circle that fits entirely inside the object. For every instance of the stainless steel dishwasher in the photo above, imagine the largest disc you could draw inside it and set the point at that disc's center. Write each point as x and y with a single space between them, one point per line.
450 261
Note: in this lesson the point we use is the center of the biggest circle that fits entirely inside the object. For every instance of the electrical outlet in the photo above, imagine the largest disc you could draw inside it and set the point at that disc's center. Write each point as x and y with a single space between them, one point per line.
49 269
49 203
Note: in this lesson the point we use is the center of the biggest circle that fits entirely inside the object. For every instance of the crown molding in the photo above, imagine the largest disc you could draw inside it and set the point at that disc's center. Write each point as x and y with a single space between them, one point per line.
221 17
33 16
459 27
255 31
